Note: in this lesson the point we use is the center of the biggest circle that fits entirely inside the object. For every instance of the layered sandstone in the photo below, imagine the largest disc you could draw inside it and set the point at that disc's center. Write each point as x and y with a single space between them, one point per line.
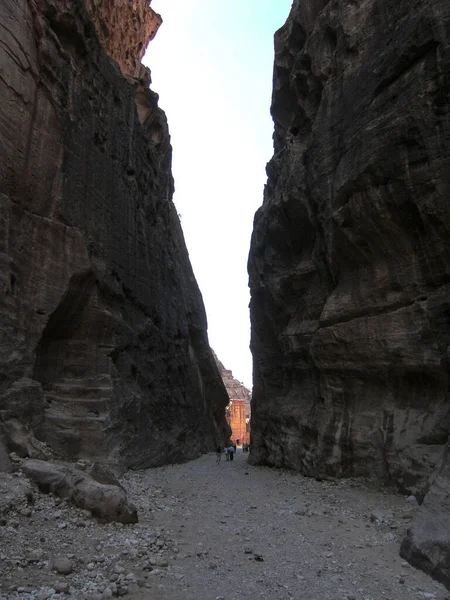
239 409
350 255
103 346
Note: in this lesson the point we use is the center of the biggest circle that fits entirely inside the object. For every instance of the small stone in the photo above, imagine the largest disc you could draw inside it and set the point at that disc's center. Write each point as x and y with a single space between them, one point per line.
122 591
61 587
36 555
63 566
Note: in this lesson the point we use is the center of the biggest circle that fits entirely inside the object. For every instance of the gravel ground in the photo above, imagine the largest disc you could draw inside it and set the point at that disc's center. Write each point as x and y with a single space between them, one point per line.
208 531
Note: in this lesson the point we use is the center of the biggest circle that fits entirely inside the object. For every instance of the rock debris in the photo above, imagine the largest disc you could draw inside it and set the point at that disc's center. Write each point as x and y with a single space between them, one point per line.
207 531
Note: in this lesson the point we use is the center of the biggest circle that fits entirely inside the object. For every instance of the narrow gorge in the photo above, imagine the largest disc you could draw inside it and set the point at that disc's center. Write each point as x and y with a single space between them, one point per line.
107 378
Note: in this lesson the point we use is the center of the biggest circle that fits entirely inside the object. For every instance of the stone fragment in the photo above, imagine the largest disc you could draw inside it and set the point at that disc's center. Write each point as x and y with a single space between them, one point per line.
14 493
62 565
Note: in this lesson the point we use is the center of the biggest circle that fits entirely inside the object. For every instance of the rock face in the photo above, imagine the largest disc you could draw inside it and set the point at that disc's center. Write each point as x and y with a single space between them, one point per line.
350 256
238 410
135 18
103 346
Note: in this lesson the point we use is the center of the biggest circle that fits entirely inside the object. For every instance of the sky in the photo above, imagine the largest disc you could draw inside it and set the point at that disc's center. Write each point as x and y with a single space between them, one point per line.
211 64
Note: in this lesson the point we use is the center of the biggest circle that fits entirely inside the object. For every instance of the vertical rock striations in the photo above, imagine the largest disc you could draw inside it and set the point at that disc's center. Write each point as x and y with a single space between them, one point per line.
103 345
350 256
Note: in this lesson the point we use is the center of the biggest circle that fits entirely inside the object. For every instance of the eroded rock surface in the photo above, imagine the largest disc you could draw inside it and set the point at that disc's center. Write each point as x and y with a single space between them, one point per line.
350 256
103 345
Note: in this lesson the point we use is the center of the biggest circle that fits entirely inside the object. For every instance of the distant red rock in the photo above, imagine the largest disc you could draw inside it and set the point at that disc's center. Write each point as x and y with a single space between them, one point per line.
238 410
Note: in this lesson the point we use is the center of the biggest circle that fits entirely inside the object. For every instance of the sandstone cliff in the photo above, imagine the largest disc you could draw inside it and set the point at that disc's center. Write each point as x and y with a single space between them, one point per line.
103 345
239 407
350 255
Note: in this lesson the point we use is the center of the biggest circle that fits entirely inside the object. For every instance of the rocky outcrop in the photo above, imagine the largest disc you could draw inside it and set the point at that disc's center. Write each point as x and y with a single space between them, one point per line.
137 20
350 255
427 543
103 346
238 410
106 501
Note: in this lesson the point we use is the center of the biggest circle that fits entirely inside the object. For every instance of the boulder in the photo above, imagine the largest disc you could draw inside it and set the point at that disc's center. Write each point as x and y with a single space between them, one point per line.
427 543
15 492
105 501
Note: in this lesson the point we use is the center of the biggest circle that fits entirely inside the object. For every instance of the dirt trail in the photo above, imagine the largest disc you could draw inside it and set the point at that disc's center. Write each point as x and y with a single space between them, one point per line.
249 532
209 531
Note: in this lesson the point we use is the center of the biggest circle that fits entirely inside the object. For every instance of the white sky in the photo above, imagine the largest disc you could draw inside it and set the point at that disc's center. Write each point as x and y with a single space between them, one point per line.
211 64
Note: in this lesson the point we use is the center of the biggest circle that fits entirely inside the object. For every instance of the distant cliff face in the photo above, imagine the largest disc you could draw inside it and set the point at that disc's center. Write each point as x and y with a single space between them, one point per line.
238 410
350 255
104 352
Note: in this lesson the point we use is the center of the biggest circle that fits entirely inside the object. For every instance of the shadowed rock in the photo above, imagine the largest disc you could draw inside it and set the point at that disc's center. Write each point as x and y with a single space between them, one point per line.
350 256
427 543
103 347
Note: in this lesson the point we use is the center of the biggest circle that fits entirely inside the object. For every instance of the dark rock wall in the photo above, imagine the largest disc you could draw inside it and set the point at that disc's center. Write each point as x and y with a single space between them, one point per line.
427 543
350 255
103 345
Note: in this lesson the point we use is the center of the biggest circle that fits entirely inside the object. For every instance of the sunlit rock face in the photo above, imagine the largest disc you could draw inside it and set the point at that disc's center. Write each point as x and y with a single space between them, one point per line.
103 346
350 255
239 408
124 28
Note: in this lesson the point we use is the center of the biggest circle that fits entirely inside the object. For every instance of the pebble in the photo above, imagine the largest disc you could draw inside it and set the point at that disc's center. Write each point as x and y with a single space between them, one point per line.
63 566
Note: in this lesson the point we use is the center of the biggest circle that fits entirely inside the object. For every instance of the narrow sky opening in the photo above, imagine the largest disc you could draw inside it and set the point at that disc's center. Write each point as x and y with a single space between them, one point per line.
212 64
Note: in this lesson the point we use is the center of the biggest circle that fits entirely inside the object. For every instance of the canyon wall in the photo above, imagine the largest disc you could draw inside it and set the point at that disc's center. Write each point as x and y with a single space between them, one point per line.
350 254
103 345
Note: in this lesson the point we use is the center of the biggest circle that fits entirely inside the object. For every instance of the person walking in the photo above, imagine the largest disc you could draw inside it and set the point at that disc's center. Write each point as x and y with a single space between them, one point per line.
227 454
218 454
231 452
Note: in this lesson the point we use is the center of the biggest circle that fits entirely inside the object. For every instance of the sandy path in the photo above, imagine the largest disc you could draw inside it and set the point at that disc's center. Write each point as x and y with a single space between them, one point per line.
209 531
245 532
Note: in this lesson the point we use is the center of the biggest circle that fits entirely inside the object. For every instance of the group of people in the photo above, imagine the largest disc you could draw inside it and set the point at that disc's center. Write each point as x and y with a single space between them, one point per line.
229 452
